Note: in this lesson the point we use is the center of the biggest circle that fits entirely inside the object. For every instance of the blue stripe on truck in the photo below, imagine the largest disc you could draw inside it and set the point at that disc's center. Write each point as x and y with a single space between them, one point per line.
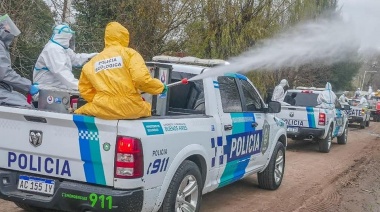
310 117
88 136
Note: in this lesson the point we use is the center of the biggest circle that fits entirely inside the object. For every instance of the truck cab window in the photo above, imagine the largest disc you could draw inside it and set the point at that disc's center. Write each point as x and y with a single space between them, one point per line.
187 98
252 98
229 93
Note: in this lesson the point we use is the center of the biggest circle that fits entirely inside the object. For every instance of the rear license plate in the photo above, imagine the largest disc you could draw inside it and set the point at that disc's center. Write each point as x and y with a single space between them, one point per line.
35 184
292 129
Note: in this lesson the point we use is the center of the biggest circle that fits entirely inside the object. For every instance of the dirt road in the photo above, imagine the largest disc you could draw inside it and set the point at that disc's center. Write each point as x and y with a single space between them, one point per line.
346 179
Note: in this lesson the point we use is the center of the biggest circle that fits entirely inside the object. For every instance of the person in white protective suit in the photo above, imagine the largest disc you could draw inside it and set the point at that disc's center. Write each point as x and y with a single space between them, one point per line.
370 91
9 79
357 93
53 68
279 92
363 100
343 98
326 99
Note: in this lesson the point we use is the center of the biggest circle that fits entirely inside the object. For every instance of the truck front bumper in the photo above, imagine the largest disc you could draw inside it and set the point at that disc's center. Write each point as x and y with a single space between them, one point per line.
71 196
355 119
303 133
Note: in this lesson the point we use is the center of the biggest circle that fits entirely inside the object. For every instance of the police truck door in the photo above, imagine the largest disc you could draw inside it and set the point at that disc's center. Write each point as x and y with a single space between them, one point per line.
242 130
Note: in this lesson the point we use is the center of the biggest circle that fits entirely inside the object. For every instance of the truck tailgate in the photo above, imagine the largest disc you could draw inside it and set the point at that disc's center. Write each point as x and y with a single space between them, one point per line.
51 145
299 116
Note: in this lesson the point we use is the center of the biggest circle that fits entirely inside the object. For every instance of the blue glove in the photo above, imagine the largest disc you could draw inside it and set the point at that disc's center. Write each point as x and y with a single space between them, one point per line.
165 89
34 89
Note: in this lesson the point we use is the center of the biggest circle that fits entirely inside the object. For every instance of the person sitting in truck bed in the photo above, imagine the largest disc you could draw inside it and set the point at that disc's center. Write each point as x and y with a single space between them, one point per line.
110 82
9 79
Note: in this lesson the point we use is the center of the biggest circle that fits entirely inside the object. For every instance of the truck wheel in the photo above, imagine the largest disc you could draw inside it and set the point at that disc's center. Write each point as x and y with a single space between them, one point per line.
362 125
325 144
342 139
272 175
29 208
185 190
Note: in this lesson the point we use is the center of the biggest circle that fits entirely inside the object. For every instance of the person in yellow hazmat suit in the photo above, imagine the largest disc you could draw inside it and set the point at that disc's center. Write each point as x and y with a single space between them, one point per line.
110 81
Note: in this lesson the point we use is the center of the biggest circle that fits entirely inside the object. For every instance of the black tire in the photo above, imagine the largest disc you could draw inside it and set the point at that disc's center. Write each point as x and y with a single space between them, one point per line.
29 208
362 124
342 139
325 144
267 179
186 169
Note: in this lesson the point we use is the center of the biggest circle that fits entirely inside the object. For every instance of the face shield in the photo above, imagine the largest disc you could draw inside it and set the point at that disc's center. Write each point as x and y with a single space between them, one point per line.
7 24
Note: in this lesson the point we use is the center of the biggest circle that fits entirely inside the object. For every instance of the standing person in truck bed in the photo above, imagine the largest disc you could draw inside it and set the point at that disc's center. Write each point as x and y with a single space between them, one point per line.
54 65
326 99
279 91
111 81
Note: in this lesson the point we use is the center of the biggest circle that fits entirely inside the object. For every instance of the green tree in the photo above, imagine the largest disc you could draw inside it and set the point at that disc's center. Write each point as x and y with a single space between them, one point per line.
152 24
35 22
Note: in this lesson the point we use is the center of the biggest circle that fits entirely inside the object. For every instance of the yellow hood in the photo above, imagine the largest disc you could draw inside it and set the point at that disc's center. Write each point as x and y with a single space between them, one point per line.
116 34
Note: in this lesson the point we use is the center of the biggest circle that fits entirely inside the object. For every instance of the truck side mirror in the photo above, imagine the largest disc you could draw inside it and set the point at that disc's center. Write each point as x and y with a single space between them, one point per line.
274 107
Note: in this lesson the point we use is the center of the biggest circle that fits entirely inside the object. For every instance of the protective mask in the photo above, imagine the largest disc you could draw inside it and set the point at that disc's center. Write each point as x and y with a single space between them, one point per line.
62 34
8 25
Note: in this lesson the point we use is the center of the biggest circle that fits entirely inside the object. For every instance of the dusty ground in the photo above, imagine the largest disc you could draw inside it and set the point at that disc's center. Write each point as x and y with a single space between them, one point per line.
346 179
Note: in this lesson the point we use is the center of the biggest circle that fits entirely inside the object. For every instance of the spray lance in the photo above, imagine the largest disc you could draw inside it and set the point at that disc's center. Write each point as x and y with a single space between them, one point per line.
183 81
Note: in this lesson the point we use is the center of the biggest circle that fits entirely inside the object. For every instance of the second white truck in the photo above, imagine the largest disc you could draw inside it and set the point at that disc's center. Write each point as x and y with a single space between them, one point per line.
306 120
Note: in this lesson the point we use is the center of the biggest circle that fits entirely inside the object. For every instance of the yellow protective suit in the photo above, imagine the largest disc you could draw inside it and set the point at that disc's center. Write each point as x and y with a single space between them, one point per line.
110 81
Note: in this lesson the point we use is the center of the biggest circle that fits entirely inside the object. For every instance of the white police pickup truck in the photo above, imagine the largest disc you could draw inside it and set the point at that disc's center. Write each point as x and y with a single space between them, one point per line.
359 113
306 120
204 135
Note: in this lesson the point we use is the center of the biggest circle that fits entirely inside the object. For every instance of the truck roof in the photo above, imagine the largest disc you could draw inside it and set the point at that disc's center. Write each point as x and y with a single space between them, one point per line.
304 91
191 65
185 68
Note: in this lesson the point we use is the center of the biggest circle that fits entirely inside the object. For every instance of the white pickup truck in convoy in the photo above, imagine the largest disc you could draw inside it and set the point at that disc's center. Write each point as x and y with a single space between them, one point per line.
203 135
359 113
306 120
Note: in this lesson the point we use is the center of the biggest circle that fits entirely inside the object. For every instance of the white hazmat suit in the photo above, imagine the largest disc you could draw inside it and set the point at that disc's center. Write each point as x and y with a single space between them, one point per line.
326 99
357 93
343 99
53 68
370 91
363 101
279 93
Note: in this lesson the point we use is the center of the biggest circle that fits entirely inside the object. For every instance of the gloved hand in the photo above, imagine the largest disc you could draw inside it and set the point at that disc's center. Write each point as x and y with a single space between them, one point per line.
34 89
165 89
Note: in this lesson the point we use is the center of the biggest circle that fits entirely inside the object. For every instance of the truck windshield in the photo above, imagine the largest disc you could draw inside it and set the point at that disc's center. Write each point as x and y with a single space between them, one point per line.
301 99
353 102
